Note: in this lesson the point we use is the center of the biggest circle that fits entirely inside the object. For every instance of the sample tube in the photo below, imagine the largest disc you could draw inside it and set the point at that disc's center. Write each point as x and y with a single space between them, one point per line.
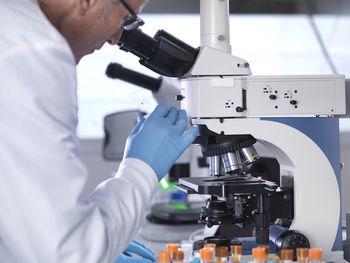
212 247
315 255
206 255
221 254
274 259
196 247
164 257
178 257
287 255
259 255
267 250
236 253
187 248
172 248
302 255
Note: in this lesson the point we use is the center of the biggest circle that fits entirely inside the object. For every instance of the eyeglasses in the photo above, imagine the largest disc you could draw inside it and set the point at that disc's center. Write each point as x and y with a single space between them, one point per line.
132 21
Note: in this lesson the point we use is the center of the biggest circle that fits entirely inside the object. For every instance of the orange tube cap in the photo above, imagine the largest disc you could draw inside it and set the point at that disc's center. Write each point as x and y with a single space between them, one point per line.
172 247
206 254
259 253
315 254
164 257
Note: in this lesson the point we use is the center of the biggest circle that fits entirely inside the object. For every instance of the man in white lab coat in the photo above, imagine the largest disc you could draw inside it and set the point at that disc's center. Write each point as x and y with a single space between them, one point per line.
42 215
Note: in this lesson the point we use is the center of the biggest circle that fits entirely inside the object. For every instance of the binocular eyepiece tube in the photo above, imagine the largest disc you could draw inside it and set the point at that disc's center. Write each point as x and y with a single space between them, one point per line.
163 53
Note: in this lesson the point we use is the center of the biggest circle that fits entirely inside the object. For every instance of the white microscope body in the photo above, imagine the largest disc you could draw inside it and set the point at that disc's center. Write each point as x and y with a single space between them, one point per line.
220 92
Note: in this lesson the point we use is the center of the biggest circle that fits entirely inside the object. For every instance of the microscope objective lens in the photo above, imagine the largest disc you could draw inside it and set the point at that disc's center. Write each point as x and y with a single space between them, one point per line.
232 162
249 155
215 166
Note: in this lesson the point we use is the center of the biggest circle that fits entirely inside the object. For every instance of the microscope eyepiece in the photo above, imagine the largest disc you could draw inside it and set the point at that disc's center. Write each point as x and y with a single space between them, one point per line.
138 43
163 54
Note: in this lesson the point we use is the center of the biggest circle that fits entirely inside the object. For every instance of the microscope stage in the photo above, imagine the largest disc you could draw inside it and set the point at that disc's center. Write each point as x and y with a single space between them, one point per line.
225 185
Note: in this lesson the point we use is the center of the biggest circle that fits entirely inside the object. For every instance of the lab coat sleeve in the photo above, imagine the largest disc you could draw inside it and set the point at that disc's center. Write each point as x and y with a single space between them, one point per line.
43 217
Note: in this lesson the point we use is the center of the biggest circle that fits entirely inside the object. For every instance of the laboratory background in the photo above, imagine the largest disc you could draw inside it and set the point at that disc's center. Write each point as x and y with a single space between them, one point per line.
276 37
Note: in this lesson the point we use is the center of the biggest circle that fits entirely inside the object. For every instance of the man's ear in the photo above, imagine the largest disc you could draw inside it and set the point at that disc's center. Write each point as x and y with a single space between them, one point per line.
85 5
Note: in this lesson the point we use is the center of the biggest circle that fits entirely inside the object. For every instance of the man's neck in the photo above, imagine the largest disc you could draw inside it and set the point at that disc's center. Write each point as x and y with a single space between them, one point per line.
55 11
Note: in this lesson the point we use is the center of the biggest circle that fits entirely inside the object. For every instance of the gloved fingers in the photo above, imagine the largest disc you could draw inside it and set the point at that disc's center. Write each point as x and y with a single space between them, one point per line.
140 118
182 115
138 243
181 122
140 121
142 245
127 254
141 251
190 136
160 111
172 115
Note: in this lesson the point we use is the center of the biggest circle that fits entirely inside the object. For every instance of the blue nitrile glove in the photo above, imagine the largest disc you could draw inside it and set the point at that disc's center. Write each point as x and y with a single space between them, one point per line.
138 248
158 140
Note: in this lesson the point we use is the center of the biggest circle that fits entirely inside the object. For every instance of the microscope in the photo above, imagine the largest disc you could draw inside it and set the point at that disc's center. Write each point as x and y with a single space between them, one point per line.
293 118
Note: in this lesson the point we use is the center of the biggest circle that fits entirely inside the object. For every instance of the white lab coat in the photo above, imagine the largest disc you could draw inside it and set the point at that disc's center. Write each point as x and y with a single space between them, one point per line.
42 215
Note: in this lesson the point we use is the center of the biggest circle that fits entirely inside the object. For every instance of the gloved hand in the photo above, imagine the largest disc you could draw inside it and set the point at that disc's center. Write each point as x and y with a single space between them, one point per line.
138 248
158 141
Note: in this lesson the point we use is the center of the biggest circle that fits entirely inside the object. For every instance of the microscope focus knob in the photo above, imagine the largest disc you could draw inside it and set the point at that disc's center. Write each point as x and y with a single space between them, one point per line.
291 240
